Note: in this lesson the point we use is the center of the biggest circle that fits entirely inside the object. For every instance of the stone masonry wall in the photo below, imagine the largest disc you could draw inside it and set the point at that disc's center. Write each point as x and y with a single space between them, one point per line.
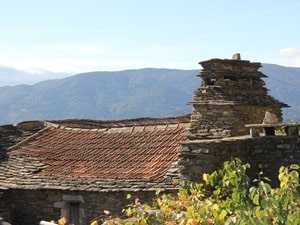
265 154
213 121
10 135
270 152
204 156
29 207
4 211
250 115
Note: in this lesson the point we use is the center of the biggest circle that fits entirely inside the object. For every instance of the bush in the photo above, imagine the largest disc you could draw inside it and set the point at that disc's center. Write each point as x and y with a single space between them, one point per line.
226 196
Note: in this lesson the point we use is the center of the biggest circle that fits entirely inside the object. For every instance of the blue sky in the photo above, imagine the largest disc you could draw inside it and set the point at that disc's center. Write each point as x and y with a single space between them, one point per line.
95 35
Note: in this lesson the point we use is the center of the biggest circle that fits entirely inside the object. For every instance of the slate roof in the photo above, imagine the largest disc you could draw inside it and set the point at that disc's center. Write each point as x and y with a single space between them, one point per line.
130 155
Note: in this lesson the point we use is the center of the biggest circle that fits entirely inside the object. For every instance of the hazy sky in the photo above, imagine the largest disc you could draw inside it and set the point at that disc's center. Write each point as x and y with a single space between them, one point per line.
96 35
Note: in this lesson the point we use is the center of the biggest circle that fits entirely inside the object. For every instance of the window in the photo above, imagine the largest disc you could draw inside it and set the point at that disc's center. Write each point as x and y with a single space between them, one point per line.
74 213
72 208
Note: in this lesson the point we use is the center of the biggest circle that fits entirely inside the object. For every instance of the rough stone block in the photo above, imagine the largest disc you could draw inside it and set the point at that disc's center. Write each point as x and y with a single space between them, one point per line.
284 146
59 205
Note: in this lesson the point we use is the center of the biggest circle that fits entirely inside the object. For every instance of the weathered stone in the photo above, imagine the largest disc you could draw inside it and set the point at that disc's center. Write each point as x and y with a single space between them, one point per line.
3 222
30 125
284 146
236 56
270 118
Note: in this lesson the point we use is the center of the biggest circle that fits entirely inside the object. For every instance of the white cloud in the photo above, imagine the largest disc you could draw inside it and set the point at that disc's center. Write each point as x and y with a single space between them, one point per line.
289 56
289 52
83 57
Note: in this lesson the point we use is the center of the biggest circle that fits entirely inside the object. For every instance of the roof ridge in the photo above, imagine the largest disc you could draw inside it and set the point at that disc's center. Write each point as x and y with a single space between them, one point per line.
102 124
132 128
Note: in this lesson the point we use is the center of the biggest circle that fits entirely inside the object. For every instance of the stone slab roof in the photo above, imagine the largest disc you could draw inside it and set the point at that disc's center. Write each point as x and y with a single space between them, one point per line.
96 124
125 155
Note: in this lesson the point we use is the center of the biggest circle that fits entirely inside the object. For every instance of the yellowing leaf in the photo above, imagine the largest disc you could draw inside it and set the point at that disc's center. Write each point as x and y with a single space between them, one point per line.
165 210
94 222
142 222
175 181
128 196
128 212
159 202
106 212
222 214
110 223
62 221
215 207
205 178
192 222
169 222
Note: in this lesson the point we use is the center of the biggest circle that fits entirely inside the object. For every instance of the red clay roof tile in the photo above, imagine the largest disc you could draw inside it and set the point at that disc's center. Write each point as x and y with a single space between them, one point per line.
144 150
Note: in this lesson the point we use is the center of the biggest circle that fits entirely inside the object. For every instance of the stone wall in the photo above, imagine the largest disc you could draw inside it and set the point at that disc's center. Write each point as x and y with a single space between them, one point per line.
9 136
270 152
204 156
265 154
216 121
31 206
244 114
4 210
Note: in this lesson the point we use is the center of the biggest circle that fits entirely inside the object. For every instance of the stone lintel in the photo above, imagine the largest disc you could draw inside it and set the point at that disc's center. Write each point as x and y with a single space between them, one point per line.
73 198
276 125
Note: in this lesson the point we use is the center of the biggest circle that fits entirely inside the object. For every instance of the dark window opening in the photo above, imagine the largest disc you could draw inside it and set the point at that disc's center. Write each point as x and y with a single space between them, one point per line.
269 131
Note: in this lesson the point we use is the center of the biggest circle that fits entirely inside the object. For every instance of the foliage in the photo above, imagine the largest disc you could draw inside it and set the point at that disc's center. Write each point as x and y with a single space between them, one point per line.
226 196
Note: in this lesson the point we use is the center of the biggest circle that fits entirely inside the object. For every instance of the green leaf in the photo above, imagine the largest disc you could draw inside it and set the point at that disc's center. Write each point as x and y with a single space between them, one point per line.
265 187
258 212
190 212
202 211
266 203
292 219
254 195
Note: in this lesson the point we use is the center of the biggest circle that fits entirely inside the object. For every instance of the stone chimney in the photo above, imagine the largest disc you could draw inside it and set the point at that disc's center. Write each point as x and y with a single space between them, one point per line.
232 94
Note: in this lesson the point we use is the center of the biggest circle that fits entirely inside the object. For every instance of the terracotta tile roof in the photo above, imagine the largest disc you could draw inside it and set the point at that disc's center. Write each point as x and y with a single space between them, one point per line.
141 150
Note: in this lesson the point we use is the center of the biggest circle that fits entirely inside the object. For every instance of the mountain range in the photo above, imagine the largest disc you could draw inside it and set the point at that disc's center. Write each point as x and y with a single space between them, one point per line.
128 94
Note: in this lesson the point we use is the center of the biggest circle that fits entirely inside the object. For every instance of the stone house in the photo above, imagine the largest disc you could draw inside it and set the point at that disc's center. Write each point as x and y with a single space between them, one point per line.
78 168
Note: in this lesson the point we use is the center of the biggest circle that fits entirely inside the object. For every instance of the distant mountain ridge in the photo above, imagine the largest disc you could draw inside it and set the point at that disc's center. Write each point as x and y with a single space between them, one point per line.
12 76
127 94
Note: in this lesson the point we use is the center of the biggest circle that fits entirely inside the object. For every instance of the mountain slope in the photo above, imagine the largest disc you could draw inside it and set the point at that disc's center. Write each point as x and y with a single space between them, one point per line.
284 84
101 95
126 94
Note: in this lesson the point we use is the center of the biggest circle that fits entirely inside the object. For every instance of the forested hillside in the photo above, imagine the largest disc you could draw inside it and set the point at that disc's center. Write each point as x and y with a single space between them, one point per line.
127 94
